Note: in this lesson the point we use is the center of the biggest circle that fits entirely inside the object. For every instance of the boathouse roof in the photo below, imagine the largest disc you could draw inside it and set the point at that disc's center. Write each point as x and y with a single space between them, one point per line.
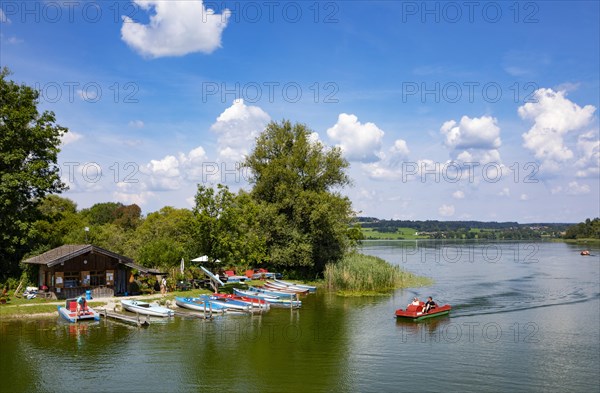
69 251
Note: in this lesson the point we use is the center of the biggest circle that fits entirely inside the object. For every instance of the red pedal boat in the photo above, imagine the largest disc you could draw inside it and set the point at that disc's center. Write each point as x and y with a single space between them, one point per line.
415 313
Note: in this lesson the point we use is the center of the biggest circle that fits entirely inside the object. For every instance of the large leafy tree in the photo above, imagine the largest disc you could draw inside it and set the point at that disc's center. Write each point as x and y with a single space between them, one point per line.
227 228
29 145
163 238
297 183
58 222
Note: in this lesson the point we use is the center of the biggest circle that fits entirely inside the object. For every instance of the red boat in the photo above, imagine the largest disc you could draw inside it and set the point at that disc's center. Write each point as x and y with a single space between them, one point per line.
254 303
415 313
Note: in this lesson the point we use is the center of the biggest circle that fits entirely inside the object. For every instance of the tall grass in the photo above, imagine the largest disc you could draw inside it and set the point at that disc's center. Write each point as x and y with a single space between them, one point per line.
364 274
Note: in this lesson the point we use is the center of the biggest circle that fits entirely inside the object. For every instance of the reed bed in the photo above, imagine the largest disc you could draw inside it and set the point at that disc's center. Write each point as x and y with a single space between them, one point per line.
364 274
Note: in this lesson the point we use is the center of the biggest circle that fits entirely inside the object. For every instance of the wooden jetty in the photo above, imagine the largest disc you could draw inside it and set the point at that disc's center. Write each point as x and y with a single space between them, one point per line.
124 318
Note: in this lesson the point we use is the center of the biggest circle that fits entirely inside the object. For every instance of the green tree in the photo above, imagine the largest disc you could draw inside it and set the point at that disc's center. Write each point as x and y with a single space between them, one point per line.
296 184
58 223
163 238
227 226
29 145
102 213
588 229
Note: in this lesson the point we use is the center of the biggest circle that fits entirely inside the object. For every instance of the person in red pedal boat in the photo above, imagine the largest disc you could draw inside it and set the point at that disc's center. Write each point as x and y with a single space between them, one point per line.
429 305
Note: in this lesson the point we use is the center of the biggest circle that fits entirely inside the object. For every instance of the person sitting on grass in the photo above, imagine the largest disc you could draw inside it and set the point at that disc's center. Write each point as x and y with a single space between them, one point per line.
429 305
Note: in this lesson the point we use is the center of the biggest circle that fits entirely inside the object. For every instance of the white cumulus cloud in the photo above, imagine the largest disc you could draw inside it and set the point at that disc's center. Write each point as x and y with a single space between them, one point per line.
589 162
359 142
136 124
554 116
163 174
176 28
446 210
472 133
237 128
70 137
458 194
577 189
473 139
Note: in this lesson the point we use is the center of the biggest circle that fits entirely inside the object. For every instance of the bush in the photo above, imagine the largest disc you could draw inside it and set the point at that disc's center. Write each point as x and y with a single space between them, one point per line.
363 273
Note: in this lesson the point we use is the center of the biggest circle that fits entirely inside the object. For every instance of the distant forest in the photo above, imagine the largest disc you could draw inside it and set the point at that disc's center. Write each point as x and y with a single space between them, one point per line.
468 229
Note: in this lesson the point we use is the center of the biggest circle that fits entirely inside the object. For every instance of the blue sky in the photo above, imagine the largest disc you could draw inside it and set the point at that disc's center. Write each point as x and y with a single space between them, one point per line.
445 110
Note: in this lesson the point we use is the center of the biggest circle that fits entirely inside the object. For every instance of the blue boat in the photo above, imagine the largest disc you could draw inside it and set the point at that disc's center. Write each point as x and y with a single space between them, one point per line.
198 304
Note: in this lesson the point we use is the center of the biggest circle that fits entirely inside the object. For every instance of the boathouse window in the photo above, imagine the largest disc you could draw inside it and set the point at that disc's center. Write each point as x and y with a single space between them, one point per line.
97 278
71 279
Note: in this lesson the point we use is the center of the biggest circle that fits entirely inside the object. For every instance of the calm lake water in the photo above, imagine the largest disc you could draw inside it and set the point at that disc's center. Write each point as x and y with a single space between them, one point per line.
526 317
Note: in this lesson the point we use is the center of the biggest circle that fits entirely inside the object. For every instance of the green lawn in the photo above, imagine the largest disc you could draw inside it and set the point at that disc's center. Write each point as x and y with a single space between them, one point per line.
401 233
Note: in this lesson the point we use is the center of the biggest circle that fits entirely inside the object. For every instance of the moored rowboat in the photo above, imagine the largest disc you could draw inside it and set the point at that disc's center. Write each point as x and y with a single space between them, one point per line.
282 288
273 292
145 308
253 303
310 288
198 304
272 300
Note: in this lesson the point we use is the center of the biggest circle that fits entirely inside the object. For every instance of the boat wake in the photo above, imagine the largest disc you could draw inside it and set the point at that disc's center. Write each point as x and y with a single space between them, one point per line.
514 301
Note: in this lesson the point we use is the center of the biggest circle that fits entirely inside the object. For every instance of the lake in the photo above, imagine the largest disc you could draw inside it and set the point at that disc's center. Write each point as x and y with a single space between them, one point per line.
526 317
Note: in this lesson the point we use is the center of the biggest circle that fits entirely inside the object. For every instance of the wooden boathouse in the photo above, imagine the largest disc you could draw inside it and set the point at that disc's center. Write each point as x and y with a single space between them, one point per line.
71 270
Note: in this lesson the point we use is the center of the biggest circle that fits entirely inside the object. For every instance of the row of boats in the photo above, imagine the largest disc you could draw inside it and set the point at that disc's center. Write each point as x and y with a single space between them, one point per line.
274 293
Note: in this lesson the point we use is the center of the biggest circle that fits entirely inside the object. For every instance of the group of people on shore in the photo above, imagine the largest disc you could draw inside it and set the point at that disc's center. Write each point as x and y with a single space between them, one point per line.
429 304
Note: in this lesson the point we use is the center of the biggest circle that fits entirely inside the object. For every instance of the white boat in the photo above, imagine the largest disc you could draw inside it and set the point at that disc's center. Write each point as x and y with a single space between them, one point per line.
310 288
69 312
198 304
145 308
285 288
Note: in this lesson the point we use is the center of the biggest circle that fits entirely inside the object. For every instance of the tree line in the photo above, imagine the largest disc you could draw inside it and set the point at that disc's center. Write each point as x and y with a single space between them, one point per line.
589 229
292 218
468 229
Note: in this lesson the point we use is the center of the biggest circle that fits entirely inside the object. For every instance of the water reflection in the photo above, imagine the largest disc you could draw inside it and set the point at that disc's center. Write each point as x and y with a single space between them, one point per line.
514 326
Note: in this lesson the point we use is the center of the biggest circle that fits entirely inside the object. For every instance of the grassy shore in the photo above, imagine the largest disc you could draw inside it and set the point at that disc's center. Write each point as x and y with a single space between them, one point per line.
581 241
25 308
364 275
401 233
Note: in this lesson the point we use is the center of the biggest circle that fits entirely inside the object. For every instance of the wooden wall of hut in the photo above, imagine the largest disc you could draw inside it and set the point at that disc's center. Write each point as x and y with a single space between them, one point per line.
82 273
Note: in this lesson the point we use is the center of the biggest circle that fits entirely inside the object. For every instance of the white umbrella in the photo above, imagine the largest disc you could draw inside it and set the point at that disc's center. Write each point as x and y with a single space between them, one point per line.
182 265
203 258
